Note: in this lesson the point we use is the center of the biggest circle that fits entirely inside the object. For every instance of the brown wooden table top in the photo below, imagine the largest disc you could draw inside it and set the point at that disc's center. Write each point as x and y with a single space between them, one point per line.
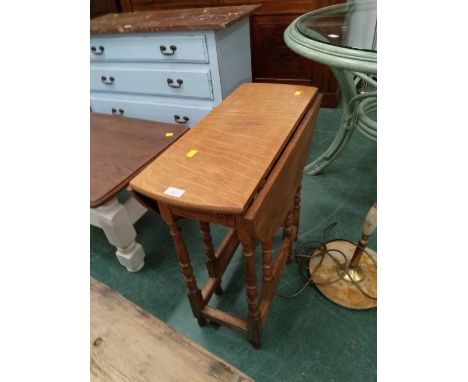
171 19
236 145
120 148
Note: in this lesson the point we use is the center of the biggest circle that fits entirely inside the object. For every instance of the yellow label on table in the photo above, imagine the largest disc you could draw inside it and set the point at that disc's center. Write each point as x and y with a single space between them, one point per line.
297 92
191 153
169 134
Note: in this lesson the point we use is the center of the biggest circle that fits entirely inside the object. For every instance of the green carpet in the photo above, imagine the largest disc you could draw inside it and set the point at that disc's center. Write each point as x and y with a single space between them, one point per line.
306 338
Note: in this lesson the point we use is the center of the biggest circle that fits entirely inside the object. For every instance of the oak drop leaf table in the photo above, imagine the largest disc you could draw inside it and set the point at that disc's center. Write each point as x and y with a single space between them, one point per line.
120 148
240 166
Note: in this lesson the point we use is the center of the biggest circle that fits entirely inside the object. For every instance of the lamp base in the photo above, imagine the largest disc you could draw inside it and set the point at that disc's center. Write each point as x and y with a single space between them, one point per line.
354 289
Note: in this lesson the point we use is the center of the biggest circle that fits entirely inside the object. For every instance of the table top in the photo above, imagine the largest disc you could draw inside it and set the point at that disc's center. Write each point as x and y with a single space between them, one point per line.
171 20
220 163
120 148
342 25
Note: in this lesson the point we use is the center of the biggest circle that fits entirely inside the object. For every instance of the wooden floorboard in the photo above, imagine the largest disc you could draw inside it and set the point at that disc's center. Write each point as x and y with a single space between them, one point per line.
129 344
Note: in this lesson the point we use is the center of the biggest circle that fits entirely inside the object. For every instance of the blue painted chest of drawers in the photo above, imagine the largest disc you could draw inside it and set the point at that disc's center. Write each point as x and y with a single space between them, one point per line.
167 75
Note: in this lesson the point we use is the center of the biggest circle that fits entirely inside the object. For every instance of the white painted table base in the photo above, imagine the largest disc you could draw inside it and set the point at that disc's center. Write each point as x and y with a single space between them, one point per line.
116 220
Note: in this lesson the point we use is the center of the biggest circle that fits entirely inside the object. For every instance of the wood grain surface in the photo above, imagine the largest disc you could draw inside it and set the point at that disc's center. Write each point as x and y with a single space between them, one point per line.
120 147
129 344
171 20
274 200
237 144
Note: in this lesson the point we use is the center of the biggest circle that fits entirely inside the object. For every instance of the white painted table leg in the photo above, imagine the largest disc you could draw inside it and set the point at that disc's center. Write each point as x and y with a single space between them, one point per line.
114 220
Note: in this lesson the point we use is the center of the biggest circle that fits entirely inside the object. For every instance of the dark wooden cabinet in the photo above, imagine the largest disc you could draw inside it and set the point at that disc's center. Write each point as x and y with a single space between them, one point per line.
101 7
272 60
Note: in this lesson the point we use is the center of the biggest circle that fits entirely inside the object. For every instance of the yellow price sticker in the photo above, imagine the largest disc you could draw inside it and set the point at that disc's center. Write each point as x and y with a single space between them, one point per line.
297 92
191 153
169 134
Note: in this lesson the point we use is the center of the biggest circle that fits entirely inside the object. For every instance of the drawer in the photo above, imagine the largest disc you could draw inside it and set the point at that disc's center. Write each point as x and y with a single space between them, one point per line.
158 48
189 84
153 111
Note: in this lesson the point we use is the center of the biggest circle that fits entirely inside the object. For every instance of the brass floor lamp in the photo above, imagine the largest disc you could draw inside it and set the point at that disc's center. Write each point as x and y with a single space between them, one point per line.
346 273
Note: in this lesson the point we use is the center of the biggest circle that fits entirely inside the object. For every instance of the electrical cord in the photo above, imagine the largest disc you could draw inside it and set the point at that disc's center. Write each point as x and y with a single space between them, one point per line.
319 249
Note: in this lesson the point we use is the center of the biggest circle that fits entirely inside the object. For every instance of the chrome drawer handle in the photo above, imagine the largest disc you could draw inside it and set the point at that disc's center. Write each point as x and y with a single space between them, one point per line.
163 49
97 51
107 81
170 82
114 111
177 119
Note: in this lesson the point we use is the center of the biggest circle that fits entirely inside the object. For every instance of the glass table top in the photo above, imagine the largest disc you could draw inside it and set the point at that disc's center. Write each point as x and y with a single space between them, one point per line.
349 25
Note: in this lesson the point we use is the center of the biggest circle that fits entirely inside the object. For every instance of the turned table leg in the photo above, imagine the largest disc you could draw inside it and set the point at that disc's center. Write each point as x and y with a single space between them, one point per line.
267 268
210 253
253 317
297 212
288 232
113 218
193 292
